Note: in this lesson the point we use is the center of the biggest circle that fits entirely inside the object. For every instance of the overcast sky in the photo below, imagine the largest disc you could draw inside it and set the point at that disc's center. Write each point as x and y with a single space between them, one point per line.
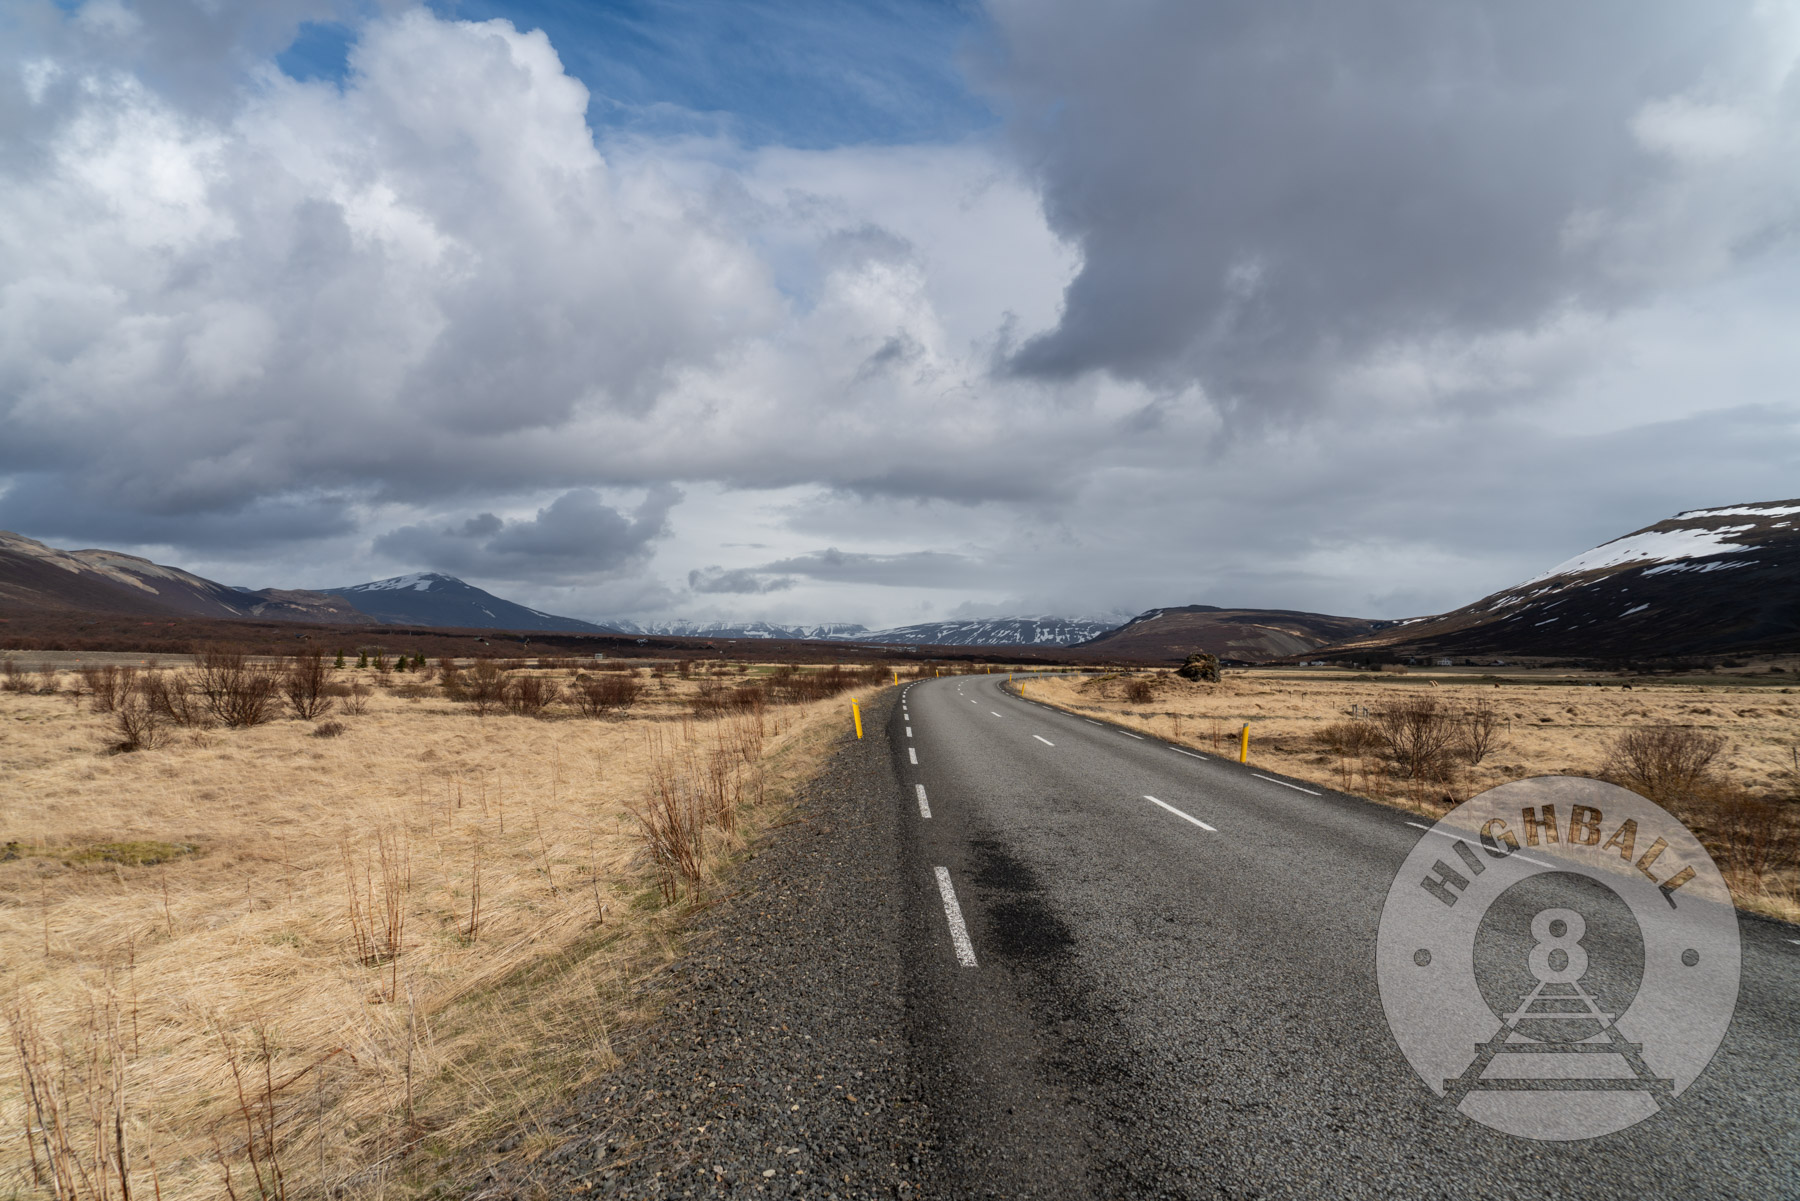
887 312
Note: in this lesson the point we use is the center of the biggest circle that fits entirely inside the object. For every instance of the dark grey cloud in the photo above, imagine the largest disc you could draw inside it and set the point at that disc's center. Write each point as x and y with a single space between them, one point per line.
56 508
916 569
741 581
1266 191
577 535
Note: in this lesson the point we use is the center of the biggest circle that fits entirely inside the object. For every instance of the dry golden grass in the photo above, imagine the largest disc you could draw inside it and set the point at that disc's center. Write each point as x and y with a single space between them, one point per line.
498 855
1548 725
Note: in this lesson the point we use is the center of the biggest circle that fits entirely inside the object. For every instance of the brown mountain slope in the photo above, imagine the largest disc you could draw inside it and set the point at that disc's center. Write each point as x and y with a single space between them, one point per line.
1704 582
35 578
1245 635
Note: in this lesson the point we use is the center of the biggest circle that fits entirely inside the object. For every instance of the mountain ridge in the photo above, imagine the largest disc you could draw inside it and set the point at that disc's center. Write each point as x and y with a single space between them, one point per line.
1705 581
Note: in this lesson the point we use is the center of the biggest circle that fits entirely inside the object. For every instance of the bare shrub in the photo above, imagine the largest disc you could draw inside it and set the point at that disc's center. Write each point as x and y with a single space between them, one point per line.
1480 724
1753 836
11 678
356 701
1664 762
378 922
138 726
529 695
1140 692
329 729
598 696
484 686
170 696
107 687
1349 739
1418 736
306 686
451 680
237 692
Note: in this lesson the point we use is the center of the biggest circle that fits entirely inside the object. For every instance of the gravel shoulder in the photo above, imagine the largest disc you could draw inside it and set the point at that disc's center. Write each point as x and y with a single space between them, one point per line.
780 1066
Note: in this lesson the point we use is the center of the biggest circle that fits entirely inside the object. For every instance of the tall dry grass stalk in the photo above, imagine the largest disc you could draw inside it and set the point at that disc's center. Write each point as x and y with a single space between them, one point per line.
346 959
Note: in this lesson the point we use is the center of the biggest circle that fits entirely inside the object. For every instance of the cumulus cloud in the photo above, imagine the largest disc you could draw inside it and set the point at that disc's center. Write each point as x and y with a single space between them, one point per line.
424 316
576 535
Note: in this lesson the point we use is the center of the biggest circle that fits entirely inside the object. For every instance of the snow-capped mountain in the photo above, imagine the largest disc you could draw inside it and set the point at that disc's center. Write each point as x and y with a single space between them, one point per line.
682 628
996 631
430 599
1705 581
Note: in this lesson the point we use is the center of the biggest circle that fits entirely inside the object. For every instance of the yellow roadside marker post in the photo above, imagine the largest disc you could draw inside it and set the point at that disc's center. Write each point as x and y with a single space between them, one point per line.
1243 743
896 676
856 714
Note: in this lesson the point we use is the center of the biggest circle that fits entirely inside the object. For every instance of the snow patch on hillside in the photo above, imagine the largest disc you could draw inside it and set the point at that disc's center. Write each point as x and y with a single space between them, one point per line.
1651 546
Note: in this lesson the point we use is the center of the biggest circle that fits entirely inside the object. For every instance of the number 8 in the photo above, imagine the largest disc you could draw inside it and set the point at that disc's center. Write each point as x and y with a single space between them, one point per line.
1558 957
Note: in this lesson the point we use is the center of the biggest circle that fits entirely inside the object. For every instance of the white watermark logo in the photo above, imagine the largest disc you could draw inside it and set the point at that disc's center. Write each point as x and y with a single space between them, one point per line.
1558 958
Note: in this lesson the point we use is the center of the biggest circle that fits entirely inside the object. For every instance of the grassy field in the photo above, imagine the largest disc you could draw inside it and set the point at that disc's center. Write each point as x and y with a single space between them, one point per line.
289 959
1319 726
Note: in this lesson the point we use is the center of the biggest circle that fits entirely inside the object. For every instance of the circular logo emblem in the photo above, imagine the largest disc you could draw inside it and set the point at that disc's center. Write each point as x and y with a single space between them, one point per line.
1558 958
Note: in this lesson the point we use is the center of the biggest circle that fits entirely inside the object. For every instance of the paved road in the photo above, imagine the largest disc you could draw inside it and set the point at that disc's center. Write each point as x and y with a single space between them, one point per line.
1179 999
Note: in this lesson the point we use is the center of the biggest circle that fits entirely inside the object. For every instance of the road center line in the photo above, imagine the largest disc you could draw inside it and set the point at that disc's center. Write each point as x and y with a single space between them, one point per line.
1043 740
959 933
1285 784
1458 838
914 755
1183 816
995 714
909 731
924 806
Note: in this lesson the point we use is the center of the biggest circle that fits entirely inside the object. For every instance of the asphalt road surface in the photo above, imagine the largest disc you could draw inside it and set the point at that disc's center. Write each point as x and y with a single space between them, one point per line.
1114 996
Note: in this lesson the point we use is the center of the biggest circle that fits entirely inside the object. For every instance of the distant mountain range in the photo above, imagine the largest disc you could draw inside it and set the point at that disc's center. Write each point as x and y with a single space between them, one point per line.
993 631
39 579
1703 582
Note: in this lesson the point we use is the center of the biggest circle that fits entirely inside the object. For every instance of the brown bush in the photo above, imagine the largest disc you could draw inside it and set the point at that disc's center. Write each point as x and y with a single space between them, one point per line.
237 692
306 686
484 686
1418 736
1140 692
170 695
329 729
107 687
529 695
1349 739
138 726
356 699
1664 762
597 696
11 678
1480 724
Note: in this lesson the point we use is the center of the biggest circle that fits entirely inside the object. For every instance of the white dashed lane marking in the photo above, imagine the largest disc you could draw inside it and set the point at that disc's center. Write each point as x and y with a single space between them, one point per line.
924 805
959 933
1285 784
914 755
909 731
1128 734
1043 740
995 714
1187 817
1447 834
